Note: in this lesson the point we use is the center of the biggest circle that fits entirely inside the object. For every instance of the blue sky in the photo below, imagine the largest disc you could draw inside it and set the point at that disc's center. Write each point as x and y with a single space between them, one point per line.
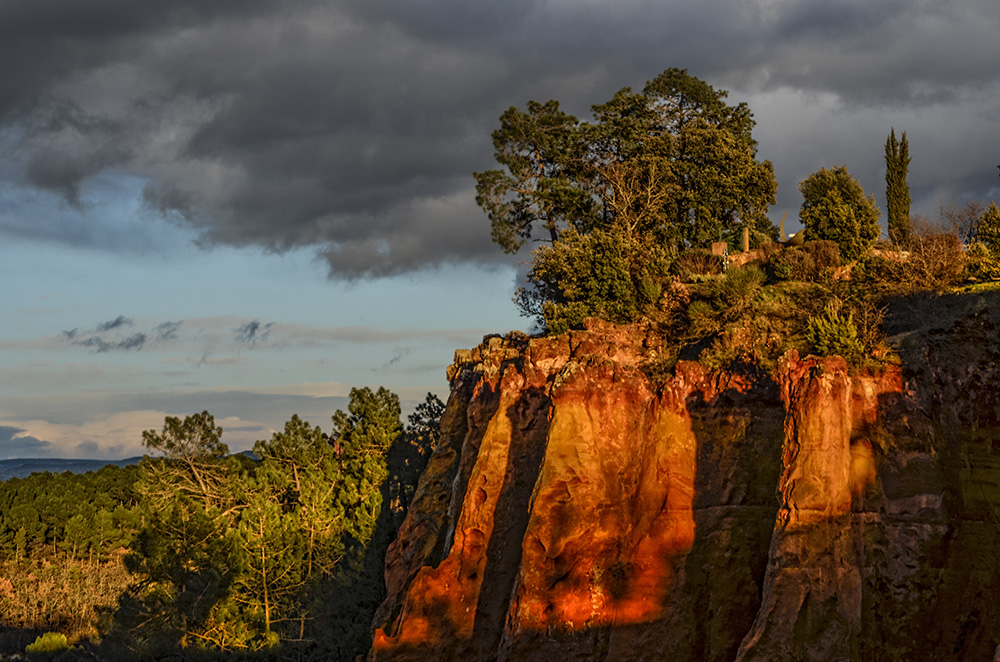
103 337
251 206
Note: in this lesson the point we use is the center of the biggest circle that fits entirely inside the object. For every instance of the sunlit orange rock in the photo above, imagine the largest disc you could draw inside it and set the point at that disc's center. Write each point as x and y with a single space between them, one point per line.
576 509
570 481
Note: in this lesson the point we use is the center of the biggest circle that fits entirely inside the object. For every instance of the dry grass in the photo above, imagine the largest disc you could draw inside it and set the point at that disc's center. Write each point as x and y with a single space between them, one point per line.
60 596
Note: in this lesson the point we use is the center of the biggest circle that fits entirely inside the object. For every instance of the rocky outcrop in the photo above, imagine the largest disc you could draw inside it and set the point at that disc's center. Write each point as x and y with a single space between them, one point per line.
576 508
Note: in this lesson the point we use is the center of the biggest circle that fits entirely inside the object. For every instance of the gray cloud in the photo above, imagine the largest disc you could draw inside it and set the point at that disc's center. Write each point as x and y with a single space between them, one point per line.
14 443
167 331
253 332
107 337
353 127
202 338
116 323
101 345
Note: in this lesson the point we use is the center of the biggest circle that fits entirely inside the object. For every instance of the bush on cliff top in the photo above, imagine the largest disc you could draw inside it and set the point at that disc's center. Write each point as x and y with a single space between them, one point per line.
834 332
738 319
606 274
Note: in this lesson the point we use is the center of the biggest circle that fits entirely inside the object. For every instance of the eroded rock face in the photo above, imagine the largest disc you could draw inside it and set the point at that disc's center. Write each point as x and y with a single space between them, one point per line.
577 510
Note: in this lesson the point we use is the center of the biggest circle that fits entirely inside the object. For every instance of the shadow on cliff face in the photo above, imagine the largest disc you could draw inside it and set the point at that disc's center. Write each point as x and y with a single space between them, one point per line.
719 582
709 589
932 564
477 557
529 420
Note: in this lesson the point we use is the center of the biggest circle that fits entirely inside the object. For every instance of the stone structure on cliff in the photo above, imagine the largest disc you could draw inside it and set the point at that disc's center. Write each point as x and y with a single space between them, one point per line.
578 509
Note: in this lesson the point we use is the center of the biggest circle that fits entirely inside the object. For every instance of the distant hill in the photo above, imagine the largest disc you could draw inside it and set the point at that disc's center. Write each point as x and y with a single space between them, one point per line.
22 467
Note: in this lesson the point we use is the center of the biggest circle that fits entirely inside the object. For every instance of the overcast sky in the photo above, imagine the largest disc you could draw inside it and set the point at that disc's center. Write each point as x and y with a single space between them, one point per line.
250 206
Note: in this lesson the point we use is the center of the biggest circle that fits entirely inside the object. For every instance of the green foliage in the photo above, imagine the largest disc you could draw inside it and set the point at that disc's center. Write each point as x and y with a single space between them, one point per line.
734 321
988 230
981 263
982 256
542 153
49 642
229 553
408 457
78 515
674 162
364 435
739 321
601 274
897 191
835 208
655 172
737 291
835 332
706 180
233 552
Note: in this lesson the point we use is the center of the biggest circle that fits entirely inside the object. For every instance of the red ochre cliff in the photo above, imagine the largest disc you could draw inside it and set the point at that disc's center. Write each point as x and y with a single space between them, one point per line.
576 509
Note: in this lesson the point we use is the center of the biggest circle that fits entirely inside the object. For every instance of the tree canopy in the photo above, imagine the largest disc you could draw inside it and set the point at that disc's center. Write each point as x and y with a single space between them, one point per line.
673 162
897 191
988 229
238 553
835 208
614 199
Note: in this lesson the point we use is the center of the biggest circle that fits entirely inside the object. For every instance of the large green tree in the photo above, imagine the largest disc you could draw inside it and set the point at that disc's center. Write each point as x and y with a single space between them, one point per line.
363 435
897 190
835 208
187 551
542 186
687 159
674 162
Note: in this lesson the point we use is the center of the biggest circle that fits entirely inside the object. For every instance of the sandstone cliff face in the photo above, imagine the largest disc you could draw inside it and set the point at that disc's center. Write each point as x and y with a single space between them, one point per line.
576 510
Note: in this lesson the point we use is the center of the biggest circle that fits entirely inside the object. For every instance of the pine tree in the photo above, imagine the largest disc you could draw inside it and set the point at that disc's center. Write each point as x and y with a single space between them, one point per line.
988 229
897 191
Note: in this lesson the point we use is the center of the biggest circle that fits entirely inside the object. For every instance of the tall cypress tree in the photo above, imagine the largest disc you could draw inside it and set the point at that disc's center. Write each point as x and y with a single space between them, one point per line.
897 191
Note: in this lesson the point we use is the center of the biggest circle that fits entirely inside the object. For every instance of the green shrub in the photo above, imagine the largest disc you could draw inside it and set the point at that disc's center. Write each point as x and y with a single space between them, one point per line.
735 293
50 642
834 332
606 274
980 263
649 289
703 319
836 208
988 229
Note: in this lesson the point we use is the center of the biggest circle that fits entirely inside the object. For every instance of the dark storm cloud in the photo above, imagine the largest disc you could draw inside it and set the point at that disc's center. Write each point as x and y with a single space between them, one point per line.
354 126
